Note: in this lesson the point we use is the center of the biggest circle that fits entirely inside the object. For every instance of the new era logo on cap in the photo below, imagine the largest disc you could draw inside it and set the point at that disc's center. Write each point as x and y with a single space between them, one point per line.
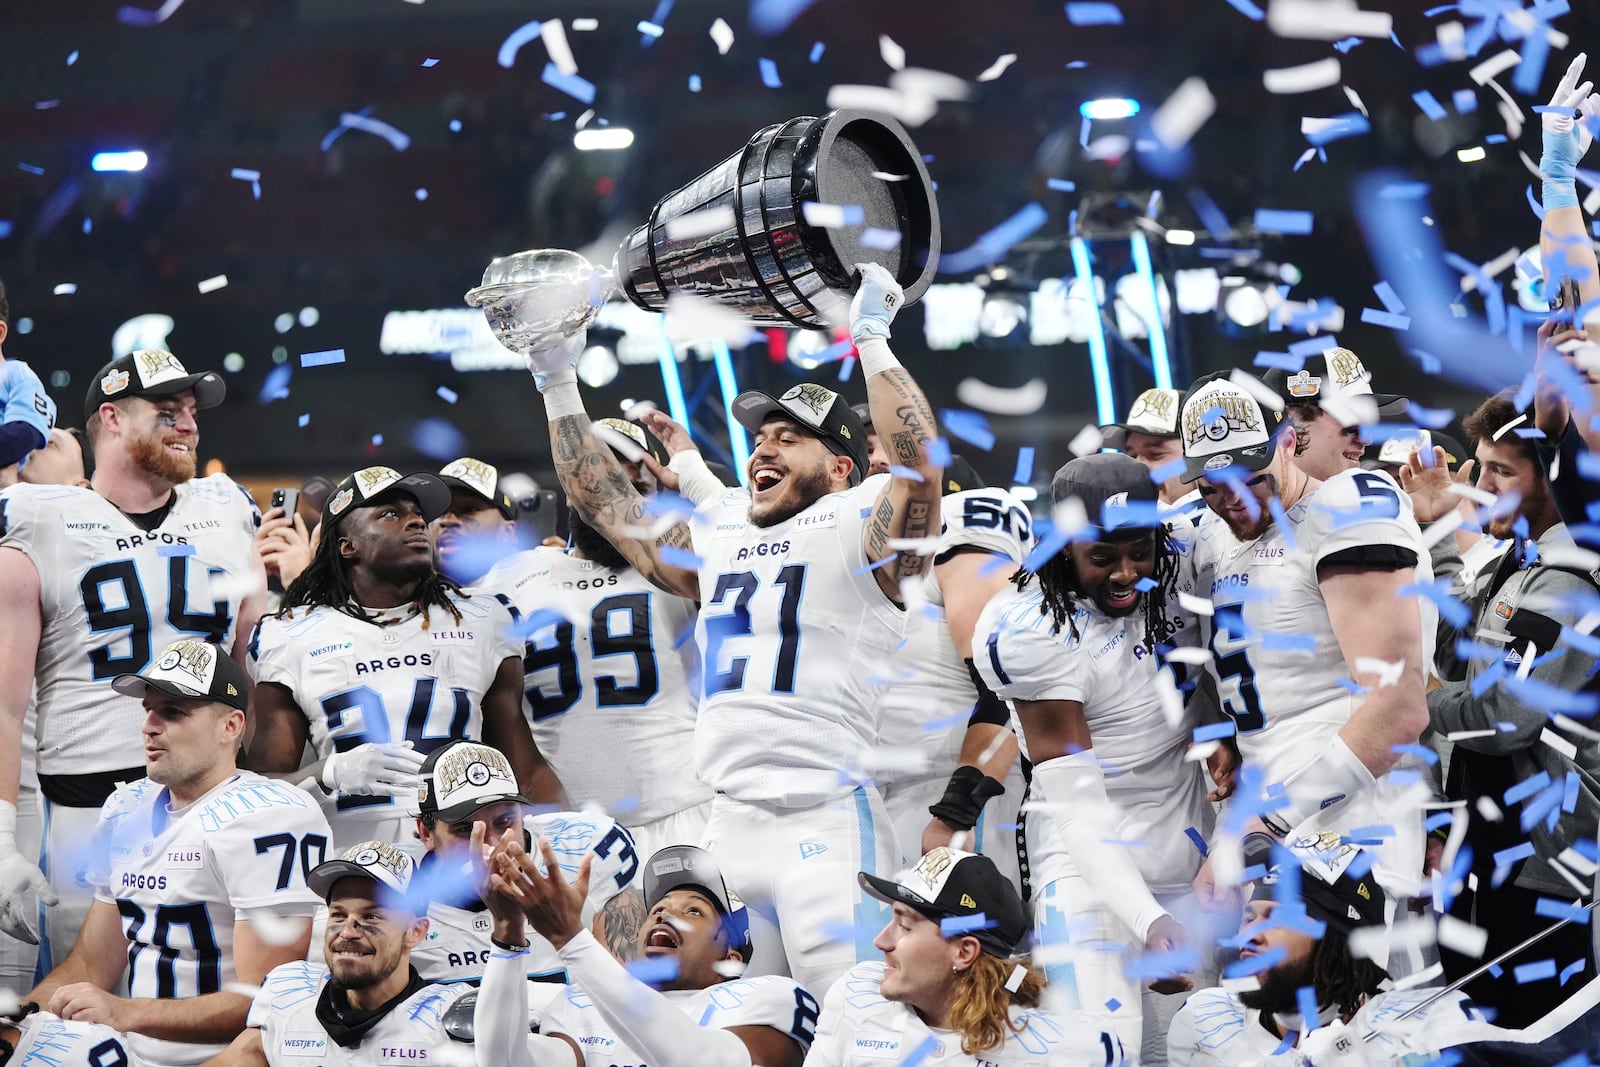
478 475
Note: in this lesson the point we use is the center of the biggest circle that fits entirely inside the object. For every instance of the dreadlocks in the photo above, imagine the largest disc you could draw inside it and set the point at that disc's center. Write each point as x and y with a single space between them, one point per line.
326 583
1058 582
1339 978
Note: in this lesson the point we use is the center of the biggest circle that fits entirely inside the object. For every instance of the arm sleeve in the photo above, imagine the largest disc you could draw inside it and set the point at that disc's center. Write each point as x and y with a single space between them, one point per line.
1020 659
261 863
269 653
696 483
500 1020
25 400
1075 790
646 1021
17 440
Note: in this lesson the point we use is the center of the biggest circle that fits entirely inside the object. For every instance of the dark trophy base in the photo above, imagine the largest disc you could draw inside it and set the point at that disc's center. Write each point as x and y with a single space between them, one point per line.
770 264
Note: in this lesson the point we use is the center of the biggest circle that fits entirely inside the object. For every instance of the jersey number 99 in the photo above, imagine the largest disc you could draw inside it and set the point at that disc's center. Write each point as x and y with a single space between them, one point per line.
633 638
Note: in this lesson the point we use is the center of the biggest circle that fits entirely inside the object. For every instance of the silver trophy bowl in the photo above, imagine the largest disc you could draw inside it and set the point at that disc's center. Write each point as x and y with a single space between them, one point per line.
539 296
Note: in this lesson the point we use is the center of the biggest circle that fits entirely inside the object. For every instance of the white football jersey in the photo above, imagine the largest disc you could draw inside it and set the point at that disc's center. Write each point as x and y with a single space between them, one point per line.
50 1041
1282 676
610 681
412 1032
181 880
861 1029
110 595
457 946
1213 1029
794 637
925 707
1107 669
402 679
772 1000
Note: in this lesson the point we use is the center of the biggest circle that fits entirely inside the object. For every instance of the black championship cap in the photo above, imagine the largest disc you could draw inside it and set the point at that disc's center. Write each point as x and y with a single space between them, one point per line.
380 861
1330 892
1222 426
369 483
481 479
638 434
1112 487
819 409
950 885
1338 372
191 669
959 476
689 867
463 777
151 372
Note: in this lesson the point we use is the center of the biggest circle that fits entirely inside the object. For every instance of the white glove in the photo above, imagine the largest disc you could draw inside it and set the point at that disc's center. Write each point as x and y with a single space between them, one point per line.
877 299
1334 1045
374 770
19 876
1567 137
556 360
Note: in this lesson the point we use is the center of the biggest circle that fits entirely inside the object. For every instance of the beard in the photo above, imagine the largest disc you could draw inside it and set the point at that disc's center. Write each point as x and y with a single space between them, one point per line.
592 544
805 489
152 456
1279 987
1536 503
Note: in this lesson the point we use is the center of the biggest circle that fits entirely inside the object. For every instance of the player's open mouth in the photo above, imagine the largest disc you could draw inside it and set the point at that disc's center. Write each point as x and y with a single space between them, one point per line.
1121 598
765 479
662 938
181 447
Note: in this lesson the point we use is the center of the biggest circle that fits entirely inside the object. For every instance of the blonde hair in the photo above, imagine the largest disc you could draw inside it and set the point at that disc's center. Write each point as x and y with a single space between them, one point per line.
981 1012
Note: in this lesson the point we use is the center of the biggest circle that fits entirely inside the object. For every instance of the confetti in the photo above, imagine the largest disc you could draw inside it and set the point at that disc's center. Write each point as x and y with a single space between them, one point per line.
528 31
1304 78
138 16
177 550
892 54
574 85
1430 107
1291 222
993 245
322 359
430 62
969 426
1180 117
769 74
769 17
446 394
694 83
1326 20
556 47
831 216
722 36
996 400
1248 10
879 239
995 69
65 289
352 120
1024 471
305 420
1090 13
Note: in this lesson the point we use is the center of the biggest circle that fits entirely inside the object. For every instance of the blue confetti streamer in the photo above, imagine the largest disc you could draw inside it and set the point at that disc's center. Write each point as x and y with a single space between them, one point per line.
1214 731
1430 418
1024 471
447 394
680 557
655 971
1535 972
1352 124
1465 101
816 51
1248 10
1451 610
520 36
1269 220
1430 107
1198 839
956 925
1526 788
1256 964
884 562
1093 13
430 62
770 17
1421 752
305 420
1168 470
1561 909
915 1057
1388 297
1305 998
993 245
174 550
969 426
1278 642
377 439
1567 972
322 359
769 74
694 83
574 85
939 452
1061 185
1386 319
276 385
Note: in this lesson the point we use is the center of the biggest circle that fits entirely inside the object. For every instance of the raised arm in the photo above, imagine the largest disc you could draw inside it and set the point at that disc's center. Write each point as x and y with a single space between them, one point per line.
595 482
908 507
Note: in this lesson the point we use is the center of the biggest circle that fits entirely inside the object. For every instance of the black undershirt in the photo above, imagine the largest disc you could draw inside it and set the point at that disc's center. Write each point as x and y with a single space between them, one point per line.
149 520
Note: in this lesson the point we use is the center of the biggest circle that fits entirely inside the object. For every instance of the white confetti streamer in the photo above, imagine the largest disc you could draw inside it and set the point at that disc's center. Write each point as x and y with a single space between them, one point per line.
998 67
1388 673
1486 806
892 53
910 110
1486 71
700 224
1557 742
212 284
722 35
1326 20
997 400
1196 605
555 44
1195 655
1089 439
1184 112
1461 936
1304 78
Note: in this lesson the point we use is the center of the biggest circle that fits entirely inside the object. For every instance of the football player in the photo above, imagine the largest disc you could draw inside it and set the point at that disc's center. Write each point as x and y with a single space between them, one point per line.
368 1007
801 606
1328 401
945 747
479 528
379 659
1150 435
1320 650
1076 650
952 987
693 948
199 872
469 800
93 582
609 672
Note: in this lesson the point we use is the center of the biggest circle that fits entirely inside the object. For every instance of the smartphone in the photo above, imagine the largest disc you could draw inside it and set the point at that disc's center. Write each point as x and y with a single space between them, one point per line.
1564 308
288 500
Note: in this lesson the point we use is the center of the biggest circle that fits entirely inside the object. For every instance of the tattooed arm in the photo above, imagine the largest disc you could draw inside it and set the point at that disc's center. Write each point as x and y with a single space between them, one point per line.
617 925
599 489
908 507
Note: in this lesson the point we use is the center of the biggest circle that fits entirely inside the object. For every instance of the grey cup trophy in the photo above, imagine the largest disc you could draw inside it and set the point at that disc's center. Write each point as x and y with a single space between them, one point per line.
749 245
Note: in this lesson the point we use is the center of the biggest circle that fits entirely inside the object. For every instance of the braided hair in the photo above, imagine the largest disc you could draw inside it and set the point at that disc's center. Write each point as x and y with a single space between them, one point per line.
1339 978
325 583
1058 584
